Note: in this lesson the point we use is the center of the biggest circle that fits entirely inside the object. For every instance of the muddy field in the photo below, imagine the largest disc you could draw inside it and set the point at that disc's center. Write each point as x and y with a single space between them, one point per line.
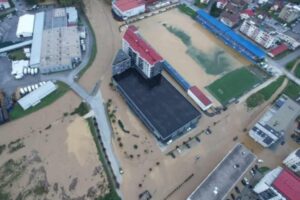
50 154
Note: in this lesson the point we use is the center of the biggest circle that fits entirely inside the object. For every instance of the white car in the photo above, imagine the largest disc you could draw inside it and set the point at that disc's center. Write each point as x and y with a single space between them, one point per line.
25 70
29 89
25 90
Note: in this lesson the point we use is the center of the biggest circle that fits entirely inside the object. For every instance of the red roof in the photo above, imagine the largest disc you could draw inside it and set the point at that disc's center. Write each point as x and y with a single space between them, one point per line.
125 5
3 1
288 184
139 45
279 49
248 12
200 95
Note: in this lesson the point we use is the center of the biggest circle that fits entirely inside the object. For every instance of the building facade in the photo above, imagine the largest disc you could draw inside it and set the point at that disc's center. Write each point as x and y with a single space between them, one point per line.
290 12
264 38
293 161
273 124
142 55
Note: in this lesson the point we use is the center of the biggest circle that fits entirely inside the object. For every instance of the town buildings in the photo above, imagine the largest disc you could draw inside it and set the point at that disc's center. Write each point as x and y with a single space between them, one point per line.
226 175
4 4
274 123
279 184
290 12
293 161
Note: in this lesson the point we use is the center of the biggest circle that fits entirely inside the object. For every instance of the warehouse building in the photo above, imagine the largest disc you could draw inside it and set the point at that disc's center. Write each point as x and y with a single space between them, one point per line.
278 184
72 16
143 56
35 56
274 123
230 38
25 26
164 111
36 96
221 181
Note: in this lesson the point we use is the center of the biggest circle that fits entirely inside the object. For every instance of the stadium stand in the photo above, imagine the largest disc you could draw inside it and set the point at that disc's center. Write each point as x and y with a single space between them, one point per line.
230 38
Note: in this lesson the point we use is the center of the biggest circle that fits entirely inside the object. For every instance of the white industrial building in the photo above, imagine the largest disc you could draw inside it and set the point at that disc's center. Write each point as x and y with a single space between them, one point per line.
36 96
275 122
25 26
72 15
35 56
259 35
293 161
128 8
4 4
17 68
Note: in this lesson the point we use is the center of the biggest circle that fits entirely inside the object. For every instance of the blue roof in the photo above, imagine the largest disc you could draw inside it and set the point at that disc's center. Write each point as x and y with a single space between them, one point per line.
222 27
226 30
182 82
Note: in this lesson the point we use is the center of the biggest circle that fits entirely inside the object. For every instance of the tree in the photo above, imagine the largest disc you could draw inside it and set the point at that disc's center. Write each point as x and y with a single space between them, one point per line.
69 2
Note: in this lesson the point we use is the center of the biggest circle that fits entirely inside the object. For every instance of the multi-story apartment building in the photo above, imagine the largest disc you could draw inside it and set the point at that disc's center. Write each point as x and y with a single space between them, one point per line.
143 56
290 12
259 35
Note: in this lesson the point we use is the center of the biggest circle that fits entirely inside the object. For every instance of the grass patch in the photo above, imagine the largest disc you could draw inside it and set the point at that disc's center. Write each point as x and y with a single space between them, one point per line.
264 94
187 10
112 195
297 71
15 145
2 148
290 65
185 38
81 110
233 85
10 171
17 55
292 90
18 112
263 170
40 190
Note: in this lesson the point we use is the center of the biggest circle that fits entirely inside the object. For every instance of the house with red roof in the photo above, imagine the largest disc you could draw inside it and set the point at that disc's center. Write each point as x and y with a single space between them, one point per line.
4 4
280 183
143 56
128 8
278 50
200 98
246 14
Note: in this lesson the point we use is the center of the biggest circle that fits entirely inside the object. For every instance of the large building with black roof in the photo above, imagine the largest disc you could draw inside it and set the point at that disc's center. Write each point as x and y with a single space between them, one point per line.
163 109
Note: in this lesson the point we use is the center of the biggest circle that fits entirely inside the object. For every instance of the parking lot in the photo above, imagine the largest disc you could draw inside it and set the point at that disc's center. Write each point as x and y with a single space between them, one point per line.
8 28
8 83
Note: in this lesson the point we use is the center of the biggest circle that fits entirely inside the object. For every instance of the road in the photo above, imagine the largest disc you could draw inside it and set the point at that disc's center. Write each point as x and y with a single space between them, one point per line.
95 102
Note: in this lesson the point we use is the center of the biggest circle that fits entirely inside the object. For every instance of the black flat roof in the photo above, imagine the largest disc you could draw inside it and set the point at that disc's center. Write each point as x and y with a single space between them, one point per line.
164 107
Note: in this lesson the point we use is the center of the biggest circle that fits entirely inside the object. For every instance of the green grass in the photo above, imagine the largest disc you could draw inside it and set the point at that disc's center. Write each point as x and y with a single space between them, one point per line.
17 55
112 195
81 110
18 112
263 170
290 65
185 9
292 90
233 85
297 71
264 94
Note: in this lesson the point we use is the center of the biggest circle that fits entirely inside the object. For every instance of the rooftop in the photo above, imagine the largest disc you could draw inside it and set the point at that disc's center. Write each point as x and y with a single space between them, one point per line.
157 100
125 5
141 46
200 95
221 180
288 184
279 49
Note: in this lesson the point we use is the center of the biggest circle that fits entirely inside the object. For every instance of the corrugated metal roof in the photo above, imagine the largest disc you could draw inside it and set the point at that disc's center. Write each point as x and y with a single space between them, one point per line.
25 24
288 184
279 49
35 56
125 5
141 46
37 95
200 95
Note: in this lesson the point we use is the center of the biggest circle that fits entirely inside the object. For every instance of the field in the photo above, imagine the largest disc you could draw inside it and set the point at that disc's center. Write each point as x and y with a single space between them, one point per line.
51 154
194 52
292 90
233 85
